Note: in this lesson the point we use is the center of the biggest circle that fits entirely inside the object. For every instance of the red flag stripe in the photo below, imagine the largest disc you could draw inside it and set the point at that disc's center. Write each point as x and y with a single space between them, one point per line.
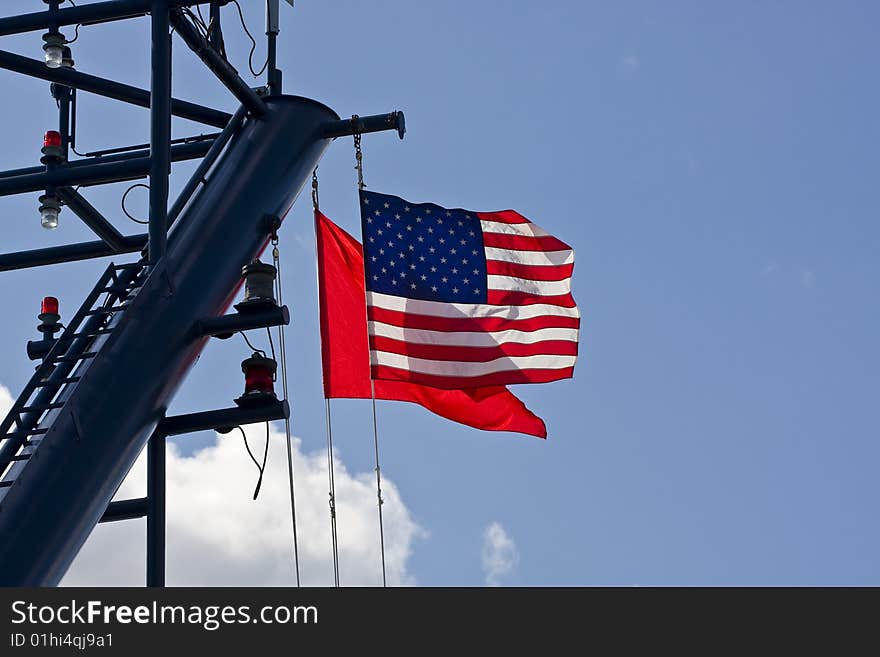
429 322
451 383
531 272
510 298
472 354
523 243
503 216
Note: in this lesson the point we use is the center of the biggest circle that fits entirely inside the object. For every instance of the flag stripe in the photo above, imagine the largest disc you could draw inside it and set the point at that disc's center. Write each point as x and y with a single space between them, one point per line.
467 324
467 370
531 272
452 383
505 297
542 258
520 243
461 310
537 288
503 216
466 354
526 230
471 338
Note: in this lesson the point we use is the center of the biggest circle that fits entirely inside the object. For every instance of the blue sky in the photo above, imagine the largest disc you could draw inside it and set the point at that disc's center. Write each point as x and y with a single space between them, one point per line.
713 168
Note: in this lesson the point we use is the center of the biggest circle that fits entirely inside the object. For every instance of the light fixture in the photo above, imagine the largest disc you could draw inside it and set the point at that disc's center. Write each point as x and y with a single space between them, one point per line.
67 58
53 49
259 286
50 208
259 380
49 317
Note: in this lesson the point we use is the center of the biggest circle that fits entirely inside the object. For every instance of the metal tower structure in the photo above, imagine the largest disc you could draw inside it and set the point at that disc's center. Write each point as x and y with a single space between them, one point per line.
75 431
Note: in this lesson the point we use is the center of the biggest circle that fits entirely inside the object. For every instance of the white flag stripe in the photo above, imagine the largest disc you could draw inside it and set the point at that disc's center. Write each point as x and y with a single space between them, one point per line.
470 369
462 310
543 258
470 338
538 288
526 230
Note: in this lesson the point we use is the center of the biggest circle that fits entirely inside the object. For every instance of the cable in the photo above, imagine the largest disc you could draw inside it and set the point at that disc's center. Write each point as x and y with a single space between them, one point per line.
276 257
256 74
332 479
122 203
260 351
261 468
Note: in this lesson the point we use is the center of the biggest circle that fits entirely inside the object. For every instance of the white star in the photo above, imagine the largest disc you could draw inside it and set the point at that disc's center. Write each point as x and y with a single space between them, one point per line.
387 206
388 224
463 242
471 233
406 209
376 213
476 290
399 236
466 281
381 251
453 251
442 241
430 230
375 278
371 239
391 263
401 255
443 260
366 201
474 252
444 279
421 239
476 272
464 261
431 249
369 220
422 258
418 220
455 290
384 271
379 231
403 274
433 269
397 216
451 231
454 270
391 244
412 248
467 216
427 210
412 285
461 223
393 282
424 278
433 288
373 258
448 213
439 221
412 266
409 227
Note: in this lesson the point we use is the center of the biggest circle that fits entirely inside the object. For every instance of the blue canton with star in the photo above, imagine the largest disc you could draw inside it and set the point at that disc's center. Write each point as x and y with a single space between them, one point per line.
422 251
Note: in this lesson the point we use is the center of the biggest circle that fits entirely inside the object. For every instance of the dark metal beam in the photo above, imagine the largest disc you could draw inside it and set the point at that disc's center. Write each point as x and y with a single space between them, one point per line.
217 64
156 510
96 12
198 176
160 129
92 218
364 124
113 168
126 510
224 418
226 325
68 253
108 88
188 151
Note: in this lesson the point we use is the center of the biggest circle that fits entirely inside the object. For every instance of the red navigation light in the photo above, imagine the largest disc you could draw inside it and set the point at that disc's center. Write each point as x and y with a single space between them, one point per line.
259 375
49 306
52 139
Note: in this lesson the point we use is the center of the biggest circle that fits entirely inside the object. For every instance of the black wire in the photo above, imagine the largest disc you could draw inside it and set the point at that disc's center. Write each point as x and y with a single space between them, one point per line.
75 33
122 203
272 347
241 333
261 468
256 74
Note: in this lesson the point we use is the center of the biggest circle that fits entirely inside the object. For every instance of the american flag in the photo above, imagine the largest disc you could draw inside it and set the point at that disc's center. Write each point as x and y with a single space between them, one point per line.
461 299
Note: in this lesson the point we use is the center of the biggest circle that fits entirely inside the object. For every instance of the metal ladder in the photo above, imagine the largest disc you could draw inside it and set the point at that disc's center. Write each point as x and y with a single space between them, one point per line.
28 419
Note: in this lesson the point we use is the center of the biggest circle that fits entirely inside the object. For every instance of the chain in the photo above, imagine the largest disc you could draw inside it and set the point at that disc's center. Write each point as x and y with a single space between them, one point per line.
358 154
315 203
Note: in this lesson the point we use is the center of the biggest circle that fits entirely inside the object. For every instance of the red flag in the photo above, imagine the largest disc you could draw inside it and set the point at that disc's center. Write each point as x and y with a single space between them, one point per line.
345 355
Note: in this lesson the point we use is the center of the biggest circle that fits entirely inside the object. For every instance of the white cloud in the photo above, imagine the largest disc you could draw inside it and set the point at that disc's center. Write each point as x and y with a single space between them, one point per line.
500 555
217 535
6 401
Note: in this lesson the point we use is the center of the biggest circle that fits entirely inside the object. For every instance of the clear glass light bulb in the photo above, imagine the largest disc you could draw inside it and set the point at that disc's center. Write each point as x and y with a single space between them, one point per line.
49 218
54 55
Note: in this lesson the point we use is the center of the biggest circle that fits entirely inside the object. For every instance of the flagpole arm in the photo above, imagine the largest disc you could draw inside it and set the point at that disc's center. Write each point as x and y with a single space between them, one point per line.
364 124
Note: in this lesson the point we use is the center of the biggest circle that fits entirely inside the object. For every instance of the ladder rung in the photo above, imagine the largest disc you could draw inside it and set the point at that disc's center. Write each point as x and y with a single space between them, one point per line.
26 432
42 407
5 484
90 334
21 457
59 382
84 356
31 443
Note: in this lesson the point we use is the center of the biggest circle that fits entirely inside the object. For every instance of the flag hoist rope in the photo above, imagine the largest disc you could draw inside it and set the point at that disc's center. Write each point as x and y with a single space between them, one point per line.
359 166
328 426
277 261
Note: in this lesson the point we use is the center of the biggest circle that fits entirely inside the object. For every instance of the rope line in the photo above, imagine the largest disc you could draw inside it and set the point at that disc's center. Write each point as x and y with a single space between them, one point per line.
277 260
